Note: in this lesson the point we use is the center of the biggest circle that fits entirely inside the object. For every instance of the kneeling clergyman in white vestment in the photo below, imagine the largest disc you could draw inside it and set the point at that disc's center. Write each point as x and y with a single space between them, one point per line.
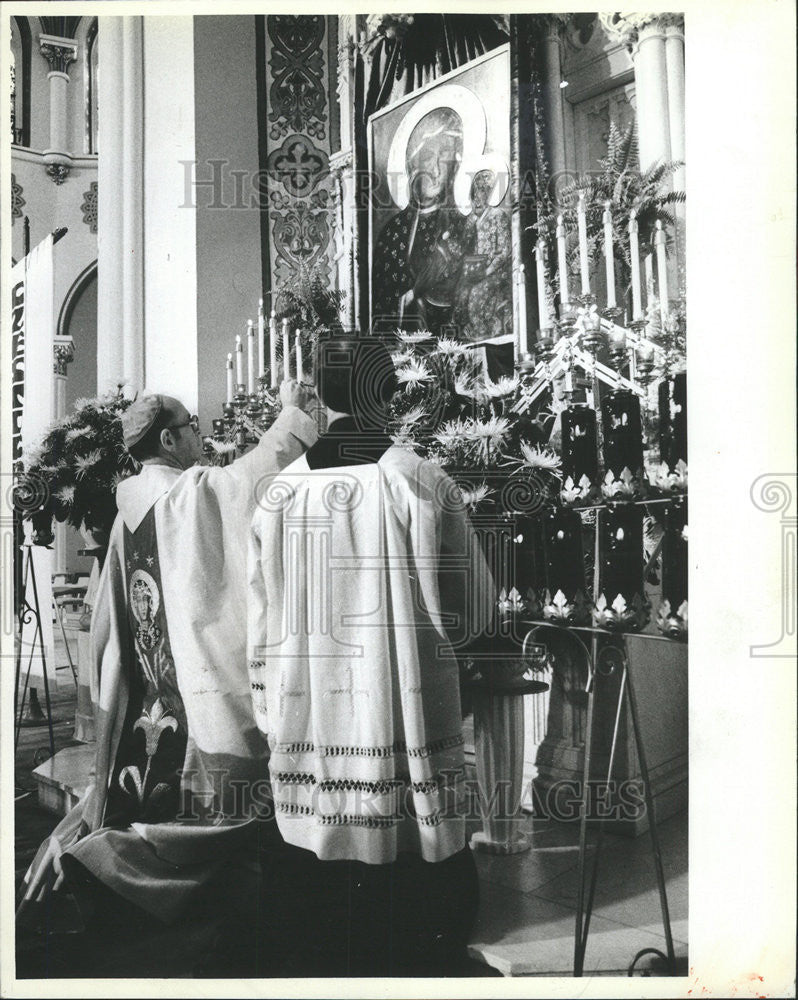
365 578
179 755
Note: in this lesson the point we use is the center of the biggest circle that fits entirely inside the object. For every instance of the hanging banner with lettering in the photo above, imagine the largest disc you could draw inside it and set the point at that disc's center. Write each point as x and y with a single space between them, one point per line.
33 320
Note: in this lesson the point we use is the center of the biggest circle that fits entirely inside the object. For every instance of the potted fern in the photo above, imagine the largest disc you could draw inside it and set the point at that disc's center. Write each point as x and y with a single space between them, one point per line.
620 182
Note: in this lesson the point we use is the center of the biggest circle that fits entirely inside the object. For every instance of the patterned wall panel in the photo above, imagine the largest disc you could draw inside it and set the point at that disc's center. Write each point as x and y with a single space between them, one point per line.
298 144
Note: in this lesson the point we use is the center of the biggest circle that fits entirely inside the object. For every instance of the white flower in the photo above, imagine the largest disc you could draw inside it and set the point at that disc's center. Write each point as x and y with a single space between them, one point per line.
472 498
488 434
66 495
504 387
222 447
463 386
414 373
77 432
413 415
449 347
403 440
84 462
538 458
401 358
408 337
452 433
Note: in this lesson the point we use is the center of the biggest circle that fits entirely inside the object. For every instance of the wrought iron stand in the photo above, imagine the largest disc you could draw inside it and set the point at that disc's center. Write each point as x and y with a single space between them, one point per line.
603 661
26 614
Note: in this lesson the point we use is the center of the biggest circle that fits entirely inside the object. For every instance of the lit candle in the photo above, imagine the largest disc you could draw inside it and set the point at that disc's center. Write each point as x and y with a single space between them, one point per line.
543 308
523 345
286 351
230 386
562 262
273 349
250 357
662 270
261 340
581 218
608 257
634 254
239 361
299 372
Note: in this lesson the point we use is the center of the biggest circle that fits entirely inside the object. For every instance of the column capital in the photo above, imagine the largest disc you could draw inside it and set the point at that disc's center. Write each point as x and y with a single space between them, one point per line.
63 353
626 27
59 52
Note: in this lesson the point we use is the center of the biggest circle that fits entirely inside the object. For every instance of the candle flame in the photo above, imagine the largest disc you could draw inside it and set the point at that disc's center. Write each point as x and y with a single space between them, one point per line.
229 358
238 342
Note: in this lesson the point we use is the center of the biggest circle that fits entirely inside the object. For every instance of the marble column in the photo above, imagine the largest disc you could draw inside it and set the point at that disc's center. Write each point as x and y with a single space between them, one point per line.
656 44
651 88
120 304
59 53
552 95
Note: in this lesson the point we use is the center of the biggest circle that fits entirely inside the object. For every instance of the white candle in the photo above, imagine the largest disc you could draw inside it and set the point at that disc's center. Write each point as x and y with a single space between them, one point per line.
562 262
239 361
648 264
608 257
250 357
299 372
523 345
286 351
230 386
634 254
273 349
543 308
261 340
662 270
581 218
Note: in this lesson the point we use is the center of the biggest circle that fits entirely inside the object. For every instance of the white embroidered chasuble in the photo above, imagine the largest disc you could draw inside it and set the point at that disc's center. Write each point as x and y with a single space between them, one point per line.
201 519
364 580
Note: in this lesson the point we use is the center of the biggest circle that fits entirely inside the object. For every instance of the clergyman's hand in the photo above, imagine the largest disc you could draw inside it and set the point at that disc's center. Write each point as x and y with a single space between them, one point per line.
294 394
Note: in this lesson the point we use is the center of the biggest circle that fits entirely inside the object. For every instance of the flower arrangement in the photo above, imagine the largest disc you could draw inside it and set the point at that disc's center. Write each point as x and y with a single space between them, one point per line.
74 471
451 412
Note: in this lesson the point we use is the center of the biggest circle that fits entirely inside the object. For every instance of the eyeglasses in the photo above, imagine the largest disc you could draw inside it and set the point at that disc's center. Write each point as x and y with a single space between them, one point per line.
192 422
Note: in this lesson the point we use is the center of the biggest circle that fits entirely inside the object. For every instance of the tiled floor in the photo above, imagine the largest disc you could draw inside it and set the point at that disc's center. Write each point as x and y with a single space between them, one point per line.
527 917
526 921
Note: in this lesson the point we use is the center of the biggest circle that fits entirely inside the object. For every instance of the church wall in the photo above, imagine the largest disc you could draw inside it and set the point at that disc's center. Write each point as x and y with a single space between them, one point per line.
229 258
170 279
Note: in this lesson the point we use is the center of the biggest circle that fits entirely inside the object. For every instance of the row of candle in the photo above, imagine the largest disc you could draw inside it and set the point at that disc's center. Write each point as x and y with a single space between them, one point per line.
546 320
236 377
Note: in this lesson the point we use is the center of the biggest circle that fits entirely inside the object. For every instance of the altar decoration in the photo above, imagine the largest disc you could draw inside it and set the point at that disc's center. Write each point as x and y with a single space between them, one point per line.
579 455
623 445
672 616
672 396
557 462
565 598
73 473
621 604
